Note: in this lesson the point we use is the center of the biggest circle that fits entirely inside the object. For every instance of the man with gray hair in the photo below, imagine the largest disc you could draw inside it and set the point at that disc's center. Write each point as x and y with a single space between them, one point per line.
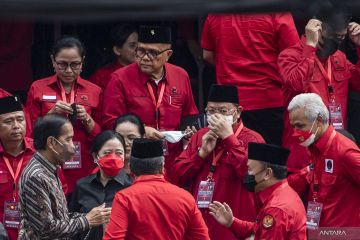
152 208
333 178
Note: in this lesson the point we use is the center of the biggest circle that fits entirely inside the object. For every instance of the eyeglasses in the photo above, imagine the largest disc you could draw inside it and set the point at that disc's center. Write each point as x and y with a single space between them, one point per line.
226 112
151 53
64 65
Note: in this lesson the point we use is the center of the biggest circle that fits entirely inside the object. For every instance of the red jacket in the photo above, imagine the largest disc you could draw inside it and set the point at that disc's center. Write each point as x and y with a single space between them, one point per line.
3 94
301 74
282 216
101 77
154 209
339 190
16 39
246 47
127 92
6 180
88 95
190 169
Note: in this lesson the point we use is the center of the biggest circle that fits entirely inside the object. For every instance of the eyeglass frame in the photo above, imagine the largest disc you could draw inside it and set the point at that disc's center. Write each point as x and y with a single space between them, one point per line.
225 112
146 52
69 65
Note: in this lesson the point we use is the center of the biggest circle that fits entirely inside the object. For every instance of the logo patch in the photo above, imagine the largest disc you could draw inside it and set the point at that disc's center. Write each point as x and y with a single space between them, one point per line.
268 221
329 165
84 97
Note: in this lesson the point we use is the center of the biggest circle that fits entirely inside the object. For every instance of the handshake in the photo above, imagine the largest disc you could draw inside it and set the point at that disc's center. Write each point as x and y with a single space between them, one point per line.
98 216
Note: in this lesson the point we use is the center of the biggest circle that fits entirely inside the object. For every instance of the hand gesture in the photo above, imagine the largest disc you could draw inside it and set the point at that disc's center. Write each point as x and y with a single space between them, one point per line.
222 213
81 113
208 143
61 107
152 133
98 215
219 126
354 33
313 32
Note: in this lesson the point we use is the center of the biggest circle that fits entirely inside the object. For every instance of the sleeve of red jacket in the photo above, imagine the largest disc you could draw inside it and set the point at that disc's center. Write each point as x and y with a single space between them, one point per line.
351 163
355 74
189 106
197 229
118 219
242 229
207 41
187 166
96 116
32 105
286 31
299 181
296 67
113 103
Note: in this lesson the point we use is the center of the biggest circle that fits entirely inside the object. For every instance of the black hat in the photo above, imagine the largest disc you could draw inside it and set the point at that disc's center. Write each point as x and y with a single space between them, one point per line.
268 153
154 34
223 93
10 104
147 148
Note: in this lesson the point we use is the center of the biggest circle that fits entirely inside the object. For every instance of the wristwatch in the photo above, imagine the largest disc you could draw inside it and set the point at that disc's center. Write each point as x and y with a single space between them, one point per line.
87 121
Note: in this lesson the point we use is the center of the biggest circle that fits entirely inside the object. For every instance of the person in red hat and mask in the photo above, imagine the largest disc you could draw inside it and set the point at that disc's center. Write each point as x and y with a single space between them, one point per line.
99 188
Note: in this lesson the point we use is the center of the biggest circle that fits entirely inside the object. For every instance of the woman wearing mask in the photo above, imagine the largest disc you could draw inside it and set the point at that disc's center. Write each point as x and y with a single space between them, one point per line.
66 93
99 188
129 126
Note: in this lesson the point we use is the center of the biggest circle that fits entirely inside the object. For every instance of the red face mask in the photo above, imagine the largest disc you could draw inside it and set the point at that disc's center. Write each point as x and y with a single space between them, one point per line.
305 138
111 164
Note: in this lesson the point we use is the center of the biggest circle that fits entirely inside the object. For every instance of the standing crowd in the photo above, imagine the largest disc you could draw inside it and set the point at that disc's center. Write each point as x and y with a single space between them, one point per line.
127 154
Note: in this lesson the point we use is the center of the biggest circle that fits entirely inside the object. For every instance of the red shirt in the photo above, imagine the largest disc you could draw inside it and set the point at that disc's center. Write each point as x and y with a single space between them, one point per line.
7 181
282 216
88 95
127 92
246 48
301 74
339 190
190 169
154 209
3 94
101 77
16 39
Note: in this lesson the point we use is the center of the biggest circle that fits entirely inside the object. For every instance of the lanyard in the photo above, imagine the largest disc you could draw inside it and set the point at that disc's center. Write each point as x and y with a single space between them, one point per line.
63 94
316 168
156 104
328 76
217 157
15 175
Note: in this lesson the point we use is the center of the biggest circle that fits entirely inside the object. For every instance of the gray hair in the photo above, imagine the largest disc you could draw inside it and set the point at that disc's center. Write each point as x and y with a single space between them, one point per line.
313 106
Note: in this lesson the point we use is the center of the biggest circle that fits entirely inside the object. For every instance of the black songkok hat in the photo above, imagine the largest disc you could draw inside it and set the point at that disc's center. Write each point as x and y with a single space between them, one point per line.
268 153
10 104
223 93
147 148
154 34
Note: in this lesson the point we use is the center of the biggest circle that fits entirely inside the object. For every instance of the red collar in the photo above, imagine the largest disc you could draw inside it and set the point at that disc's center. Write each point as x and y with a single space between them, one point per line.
54 80
264 195
320 144
150 177
28 146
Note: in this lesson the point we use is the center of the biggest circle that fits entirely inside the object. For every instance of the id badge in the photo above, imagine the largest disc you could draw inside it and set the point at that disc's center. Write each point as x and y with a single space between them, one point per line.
11 214
165 147
205 194
335 115
313 215
75 162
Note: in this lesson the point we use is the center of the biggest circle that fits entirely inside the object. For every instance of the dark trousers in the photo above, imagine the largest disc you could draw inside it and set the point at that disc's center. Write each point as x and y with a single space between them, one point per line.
268 122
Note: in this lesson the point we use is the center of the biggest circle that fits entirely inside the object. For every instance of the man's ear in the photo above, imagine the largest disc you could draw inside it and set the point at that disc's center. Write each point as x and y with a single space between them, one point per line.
269 173
169 54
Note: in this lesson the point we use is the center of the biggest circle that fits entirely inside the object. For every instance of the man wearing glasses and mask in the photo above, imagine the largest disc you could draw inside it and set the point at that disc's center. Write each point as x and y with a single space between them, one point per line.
214 163
155 90
316 65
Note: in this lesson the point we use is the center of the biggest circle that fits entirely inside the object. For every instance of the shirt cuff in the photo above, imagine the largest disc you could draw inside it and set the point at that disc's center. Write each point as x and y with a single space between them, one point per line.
84 223
309 51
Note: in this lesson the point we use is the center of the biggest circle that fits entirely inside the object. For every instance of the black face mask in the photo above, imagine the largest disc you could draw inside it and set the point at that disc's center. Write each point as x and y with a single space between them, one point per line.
250 182
328 47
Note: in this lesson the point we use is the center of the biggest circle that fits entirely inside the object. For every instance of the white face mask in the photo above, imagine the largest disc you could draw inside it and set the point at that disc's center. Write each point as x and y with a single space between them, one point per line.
229 119
173 136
